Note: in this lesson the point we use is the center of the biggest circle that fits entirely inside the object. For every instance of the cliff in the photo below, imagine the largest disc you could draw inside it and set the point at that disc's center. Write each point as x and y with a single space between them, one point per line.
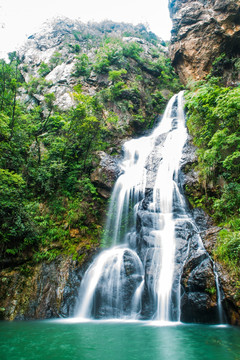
202 30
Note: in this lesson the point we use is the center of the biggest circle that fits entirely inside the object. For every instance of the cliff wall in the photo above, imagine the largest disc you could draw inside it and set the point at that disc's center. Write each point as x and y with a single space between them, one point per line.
202 30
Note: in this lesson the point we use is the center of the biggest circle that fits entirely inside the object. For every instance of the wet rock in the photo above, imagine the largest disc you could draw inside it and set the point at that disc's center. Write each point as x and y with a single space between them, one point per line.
119 302
105 174
153 161
147 219
228 282
202 220
197 307
189 176
189 155
47 290
198 289
209 237
147 199
231 299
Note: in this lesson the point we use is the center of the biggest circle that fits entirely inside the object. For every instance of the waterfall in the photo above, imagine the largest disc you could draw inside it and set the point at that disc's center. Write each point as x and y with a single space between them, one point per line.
221 314
139 275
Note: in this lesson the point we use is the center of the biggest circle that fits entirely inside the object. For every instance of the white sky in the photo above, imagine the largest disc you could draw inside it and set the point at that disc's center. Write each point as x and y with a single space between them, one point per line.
21 18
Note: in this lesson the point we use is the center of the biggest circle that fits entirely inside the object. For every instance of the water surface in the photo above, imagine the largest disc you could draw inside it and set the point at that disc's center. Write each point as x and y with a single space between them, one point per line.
111 340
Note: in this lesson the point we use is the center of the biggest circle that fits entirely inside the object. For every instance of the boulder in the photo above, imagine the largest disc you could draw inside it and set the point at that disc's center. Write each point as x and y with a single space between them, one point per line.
105 174
198 290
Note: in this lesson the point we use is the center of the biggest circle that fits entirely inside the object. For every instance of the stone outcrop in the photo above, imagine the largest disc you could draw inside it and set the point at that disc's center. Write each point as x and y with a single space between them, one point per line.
51 55
202 30
105 174
45 290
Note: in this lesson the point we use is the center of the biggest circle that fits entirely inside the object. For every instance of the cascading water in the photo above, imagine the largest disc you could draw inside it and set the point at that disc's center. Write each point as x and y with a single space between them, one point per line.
139 276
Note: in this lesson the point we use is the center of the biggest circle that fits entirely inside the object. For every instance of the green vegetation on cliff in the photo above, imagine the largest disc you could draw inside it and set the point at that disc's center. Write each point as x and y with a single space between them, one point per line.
214 122
48 203
47 198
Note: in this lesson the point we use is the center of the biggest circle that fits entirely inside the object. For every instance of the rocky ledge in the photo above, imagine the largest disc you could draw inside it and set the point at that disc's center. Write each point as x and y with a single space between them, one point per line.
202 30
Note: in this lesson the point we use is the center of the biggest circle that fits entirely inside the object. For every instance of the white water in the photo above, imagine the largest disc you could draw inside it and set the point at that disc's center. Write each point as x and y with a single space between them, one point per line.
130 186
121 278
163 201
108 268
219 302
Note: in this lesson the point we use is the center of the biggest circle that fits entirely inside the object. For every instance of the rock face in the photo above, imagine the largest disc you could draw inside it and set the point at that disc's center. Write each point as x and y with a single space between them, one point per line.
105 174
202 30
228 281
198 281
64 54
46 290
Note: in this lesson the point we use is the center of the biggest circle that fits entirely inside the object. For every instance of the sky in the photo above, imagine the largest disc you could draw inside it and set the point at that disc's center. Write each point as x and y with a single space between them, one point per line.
21 18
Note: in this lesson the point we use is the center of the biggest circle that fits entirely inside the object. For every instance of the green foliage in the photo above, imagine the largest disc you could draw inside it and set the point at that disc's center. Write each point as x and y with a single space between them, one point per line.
225 65
37 86
45 154
77 35
15 226
228 247
158 101
228 204
56 59
77 48
132 50
44 69
213 120
10 80
117 88
211 290
45 255
82 66
116 75
109 54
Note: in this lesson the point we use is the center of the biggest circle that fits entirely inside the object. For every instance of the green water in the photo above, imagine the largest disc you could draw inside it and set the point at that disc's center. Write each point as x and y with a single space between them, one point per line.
62 340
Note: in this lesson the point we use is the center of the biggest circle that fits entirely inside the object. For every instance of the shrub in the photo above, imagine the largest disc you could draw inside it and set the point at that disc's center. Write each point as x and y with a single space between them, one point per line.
56 59
44 69
116 75
82 66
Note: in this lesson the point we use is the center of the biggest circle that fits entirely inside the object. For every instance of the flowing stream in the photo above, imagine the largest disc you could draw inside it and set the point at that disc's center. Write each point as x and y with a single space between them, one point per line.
139 275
